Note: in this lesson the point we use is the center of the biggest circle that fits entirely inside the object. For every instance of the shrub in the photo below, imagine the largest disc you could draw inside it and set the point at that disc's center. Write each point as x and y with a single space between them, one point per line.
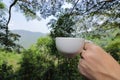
34 65
40 63
114 48
6 71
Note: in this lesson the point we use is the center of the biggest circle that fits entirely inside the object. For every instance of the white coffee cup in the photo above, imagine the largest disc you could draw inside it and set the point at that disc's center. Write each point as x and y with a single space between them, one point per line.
69 46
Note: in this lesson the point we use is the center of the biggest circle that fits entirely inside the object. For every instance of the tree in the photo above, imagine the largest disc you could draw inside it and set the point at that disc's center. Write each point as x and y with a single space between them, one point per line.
95 21
63 26
7 38
51 64
80 11
79 8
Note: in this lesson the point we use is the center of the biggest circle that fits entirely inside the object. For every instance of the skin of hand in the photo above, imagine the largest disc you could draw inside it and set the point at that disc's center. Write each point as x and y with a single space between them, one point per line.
96 64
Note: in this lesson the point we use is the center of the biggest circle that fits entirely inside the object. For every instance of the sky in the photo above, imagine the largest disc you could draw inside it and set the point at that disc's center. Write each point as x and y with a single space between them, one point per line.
19 22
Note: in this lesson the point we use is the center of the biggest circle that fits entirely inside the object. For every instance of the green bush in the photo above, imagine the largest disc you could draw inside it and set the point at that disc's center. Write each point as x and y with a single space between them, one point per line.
114 48
6 71
38 63
41 63
34 65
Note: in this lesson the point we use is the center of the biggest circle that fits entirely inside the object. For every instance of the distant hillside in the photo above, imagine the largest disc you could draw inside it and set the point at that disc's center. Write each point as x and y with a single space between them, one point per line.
27 37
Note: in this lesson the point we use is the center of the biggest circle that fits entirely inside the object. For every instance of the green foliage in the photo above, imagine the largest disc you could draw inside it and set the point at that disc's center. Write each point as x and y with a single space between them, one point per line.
2 6
63 27
35 65
6 71
114 48
67 69
8 39
39 63
45 45
44 42
12 58
28 8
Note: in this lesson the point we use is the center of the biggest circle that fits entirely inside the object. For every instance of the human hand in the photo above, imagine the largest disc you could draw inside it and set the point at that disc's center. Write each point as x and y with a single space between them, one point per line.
96 64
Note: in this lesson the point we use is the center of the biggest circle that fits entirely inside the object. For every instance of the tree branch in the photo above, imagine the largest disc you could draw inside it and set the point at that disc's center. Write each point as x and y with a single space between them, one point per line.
15 1
7 30
89 9
74 6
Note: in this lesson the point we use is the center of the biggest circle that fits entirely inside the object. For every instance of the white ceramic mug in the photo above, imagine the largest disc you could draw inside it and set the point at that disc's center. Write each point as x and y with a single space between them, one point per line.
69 46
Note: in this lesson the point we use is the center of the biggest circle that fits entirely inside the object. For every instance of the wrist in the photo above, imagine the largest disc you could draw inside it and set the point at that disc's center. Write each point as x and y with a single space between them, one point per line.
113 76
108 76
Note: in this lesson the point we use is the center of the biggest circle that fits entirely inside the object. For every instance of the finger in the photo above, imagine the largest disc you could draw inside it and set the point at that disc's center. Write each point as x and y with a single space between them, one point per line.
88 45
81 67
87 41
82 54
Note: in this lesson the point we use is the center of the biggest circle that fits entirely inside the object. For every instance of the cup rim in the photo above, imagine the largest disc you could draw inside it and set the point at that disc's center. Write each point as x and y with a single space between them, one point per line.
69 38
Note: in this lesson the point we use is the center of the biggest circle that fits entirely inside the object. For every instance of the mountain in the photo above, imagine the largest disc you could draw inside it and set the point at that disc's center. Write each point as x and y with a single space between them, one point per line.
27 37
